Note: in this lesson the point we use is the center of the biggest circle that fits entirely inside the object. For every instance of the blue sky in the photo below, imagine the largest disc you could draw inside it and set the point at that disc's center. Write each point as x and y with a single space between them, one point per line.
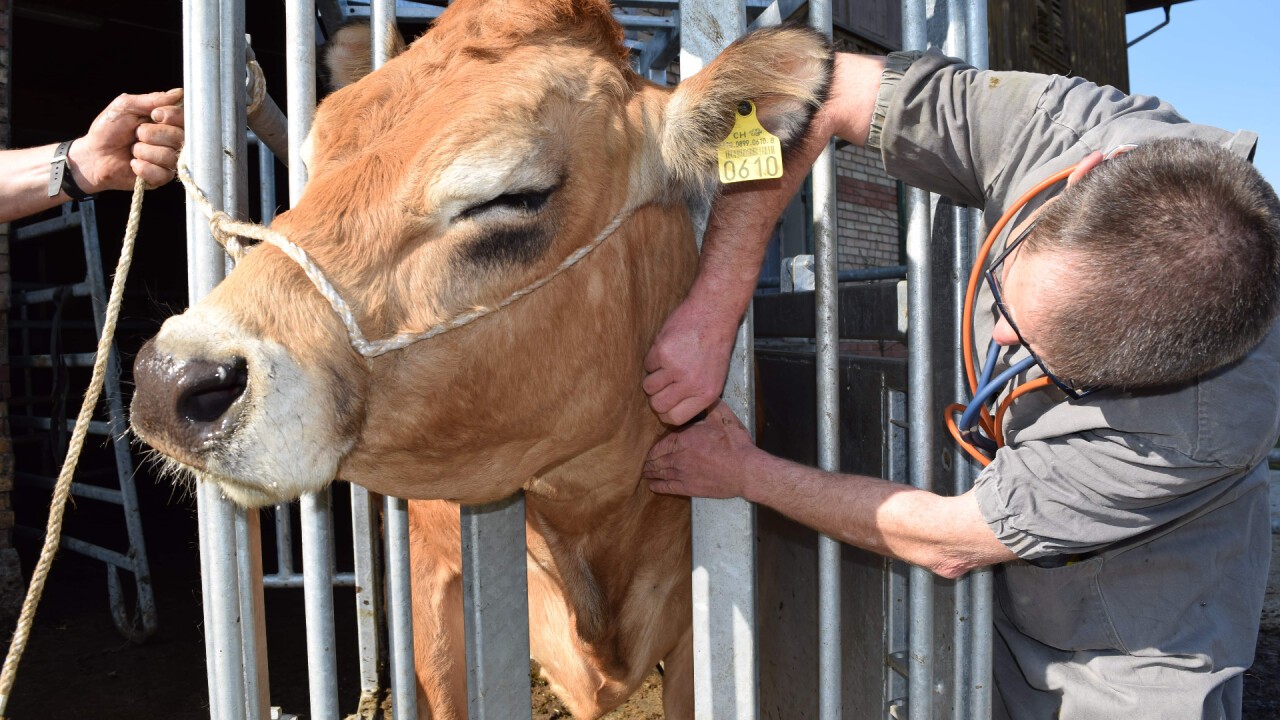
1218 63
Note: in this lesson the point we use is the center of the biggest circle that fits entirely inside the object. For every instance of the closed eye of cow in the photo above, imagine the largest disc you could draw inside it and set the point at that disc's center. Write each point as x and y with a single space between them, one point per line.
529 202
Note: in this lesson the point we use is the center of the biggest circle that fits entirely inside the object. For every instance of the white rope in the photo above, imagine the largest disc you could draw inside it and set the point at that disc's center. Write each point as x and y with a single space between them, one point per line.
62 489
228 232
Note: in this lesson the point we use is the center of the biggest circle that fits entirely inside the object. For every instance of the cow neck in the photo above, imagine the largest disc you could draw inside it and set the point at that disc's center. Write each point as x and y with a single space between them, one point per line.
229 232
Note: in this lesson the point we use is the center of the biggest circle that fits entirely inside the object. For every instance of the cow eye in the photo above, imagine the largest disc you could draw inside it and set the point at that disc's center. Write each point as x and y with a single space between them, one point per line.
528 202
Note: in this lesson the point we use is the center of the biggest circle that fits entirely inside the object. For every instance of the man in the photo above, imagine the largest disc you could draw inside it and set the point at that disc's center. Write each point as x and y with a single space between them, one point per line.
1131 524
134 136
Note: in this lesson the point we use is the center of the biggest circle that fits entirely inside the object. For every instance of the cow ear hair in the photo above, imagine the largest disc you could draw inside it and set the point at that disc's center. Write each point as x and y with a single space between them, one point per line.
349 56
785 71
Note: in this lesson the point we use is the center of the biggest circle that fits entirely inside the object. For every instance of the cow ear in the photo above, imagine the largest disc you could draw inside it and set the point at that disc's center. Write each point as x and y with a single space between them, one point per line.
785 71
349 56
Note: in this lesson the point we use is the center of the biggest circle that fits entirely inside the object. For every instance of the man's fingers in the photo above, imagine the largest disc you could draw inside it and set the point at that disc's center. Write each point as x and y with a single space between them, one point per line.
666 487
661 449
143 105
651 361
684 411
154 175
655 381
163 135
169 115
165 157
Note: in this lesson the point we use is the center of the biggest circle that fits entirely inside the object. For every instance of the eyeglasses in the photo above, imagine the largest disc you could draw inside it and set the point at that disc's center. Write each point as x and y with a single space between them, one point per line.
993 274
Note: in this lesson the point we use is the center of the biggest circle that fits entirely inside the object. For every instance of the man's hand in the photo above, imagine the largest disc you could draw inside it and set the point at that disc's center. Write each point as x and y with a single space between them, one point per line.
711 458
135 136
688 362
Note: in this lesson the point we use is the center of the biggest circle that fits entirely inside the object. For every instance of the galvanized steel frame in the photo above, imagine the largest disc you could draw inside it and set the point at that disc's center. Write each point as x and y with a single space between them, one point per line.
726 653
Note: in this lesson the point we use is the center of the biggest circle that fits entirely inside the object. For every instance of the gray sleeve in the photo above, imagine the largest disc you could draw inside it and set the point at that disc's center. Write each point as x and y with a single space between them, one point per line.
974 135
1083 492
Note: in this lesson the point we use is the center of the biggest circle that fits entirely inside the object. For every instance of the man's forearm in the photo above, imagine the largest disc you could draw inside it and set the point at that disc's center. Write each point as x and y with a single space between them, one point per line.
24 182
945 535
743 217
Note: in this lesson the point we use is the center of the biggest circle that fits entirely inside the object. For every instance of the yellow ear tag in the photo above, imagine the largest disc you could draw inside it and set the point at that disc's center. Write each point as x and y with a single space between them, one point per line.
750 152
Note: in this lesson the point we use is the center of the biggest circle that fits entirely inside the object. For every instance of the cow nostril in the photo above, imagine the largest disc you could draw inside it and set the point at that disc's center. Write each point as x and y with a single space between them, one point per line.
209 394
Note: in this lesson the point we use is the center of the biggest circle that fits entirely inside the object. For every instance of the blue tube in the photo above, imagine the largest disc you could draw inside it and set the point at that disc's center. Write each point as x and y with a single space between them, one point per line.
968 419
993 351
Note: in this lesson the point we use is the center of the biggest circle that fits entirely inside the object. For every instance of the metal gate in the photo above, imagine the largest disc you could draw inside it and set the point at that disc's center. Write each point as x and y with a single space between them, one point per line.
917 677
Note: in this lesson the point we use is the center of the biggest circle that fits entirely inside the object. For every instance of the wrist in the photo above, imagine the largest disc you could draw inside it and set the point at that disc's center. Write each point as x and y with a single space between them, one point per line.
80 166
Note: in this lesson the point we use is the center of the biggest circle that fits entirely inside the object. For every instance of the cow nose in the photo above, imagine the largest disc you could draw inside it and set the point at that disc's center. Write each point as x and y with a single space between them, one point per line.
207 389
186 401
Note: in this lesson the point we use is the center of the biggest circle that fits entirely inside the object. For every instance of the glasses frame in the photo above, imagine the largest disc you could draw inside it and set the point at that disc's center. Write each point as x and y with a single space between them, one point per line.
992 275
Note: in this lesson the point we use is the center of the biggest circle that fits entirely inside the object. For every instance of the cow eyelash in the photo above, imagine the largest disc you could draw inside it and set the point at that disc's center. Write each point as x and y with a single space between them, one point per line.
529 202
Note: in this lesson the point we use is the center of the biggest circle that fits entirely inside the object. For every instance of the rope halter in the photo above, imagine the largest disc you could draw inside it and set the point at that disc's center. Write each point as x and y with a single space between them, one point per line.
229 232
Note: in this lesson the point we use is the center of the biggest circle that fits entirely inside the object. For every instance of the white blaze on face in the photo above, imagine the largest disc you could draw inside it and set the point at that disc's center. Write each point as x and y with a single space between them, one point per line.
286 441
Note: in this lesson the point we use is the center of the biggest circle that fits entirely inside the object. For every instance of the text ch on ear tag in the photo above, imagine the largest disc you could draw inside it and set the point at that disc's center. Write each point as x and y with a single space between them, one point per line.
750 152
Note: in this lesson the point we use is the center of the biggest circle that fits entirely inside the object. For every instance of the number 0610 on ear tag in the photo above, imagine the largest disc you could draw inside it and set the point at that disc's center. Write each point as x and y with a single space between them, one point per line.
750 152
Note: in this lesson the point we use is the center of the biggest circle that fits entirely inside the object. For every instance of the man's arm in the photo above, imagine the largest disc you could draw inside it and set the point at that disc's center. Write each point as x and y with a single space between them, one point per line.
135 136
687 365
716 458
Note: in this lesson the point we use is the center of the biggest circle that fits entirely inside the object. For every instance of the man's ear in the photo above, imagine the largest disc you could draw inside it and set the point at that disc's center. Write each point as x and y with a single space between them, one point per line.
349 56
785 71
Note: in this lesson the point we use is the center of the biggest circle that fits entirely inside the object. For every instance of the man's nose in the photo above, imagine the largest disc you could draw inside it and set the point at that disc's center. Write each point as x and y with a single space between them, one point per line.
1003 333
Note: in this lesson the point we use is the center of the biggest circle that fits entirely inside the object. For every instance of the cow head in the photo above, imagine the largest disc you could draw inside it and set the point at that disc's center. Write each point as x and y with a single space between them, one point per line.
465 169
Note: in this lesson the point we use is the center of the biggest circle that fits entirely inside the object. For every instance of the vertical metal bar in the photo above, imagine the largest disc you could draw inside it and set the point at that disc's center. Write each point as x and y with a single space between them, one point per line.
919 404
980 581
205 269
254 623
364 530
317 562
193 89
317 588
235 180
495 601
955 44
404 686
826 287
725 647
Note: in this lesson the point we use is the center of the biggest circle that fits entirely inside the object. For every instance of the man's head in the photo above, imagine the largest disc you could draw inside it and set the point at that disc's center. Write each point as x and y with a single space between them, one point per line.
1156 267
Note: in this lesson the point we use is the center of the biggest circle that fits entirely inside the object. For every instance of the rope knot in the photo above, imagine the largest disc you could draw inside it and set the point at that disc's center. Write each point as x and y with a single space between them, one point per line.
222 227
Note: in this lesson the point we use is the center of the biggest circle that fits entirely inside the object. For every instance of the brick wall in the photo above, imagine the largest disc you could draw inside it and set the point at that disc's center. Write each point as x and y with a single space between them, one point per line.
867 198
866 210
6 447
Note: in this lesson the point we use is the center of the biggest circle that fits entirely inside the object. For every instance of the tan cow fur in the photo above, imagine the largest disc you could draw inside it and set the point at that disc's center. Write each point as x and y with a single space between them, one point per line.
543 396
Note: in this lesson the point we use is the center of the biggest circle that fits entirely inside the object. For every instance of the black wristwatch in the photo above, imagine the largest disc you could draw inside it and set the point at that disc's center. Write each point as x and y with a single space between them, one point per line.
60 178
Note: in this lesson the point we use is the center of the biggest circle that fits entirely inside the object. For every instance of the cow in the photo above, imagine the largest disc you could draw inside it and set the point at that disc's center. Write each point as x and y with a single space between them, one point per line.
455 182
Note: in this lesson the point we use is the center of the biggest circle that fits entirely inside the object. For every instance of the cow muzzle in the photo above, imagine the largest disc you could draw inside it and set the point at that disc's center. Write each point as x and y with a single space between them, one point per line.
191 403
229 407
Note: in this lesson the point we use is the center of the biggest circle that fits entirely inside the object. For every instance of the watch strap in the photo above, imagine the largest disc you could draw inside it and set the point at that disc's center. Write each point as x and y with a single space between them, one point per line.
60 178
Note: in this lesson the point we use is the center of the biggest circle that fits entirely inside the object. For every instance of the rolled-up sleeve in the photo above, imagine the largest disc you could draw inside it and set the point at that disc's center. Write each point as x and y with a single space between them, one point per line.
1084 492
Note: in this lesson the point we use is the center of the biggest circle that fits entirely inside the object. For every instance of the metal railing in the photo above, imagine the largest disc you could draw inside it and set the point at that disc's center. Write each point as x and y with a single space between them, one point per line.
726 616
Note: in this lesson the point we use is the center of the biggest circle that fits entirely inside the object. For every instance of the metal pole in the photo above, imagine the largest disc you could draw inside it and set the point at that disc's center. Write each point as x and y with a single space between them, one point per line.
725 649
955 44
317 562
317 589
192 89
495 603
919 404
404 684
826 289
980 586
205 263
235 185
